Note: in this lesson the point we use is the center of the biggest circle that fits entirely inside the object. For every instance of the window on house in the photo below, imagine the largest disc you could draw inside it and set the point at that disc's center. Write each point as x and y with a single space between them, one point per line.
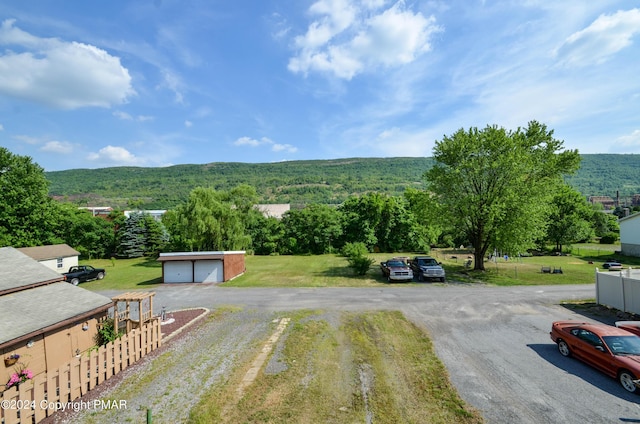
59 262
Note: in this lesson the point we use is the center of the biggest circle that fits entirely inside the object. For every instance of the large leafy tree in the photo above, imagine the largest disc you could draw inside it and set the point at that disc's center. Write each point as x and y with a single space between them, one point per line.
313 229
496 185
92 236
382 223
208 221
27 214
570 218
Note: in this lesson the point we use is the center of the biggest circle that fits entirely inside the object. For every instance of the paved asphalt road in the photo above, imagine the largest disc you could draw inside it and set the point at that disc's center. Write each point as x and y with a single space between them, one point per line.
493 340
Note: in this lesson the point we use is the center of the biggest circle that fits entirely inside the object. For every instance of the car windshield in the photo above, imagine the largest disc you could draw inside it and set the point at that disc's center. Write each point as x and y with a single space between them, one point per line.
427 262
623 345
395 263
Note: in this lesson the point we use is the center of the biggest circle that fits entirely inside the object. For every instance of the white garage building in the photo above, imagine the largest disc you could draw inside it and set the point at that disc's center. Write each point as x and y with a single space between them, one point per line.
201 267
630 235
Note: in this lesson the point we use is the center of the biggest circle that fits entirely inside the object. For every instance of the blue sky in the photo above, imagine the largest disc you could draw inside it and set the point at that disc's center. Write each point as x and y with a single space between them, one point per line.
167 82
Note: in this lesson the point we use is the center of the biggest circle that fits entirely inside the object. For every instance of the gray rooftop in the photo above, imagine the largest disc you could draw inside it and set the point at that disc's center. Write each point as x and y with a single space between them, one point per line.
29 311
18 270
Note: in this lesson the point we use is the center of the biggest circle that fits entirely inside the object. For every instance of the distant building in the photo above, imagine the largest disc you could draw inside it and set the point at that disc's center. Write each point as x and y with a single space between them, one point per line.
156 214
276 210
58 257
102 211
605 201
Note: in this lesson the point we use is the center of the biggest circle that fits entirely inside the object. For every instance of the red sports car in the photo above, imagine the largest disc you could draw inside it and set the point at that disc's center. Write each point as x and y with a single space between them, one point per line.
612 350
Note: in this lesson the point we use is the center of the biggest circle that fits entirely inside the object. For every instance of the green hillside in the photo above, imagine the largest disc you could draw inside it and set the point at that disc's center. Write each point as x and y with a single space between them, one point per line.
299 182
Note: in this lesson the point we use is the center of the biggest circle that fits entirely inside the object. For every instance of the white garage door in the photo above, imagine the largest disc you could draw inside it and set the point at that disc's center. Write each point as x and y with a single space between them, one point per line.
178 272
208 272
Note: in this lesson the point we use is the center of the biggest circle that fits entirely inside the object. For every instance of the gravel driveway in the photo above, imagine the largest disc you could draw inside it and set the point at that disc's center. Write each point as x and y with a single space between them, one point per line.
494 341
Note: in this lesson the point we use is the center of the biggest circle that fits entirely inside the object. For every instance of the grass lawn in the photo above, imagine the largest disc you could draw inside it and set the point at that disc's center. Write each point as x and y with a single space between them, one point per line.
332 270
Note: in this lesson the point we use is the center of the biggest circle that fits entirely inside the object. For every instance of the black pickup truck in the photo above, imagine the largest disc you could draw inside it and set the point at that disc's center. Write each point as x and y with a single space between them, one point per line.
80 274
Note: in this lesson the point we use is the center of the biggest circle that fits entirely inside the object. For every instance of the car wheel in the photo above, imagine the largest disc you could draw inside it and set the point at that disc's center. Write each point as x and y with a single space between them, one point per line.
563 348
626 380
75 281
442 279
100 275
421 277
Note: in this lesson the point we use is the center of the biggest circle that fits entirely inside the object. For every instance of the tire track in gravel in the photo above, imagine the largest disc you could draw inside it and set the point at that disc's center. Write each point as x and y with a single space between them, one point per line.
171 383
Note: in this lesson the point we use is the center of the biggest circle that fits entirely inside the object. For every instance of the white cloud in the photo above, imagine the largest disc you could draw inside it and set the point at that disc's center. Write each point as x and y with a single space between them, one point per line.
127 117
284 148
62 147
122 115
173 82
1 127
248 141
27 139
265 141
60 74
113 155
346 41
188 124
607 35
630 140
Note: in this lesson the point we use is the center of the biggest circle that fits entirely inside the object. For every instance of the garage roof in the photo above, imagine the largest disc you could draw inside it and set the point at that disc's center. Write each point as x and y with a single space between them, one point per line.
194 256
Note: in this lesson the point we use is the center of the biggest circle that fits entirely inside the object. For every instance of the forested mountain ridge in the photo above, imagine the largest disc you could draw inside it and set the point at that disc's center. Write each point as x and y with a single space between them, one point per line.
299 182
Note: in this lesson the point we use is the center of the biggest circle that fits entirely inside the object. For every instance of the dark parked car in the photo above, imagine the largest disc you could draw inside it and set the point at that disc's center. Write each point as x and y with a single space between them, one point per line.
426 268
612 350
80 274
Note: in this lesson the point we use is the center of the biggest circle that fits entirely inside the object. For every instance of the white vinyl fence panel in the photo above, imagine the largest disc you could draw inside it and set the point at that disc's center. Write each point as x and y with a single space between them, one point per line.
619 289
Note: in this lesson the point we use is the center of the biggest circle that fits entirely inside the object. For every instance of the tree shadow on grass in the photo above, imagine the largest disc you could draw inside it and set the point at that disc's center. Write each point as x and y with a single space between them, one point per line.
149 263
153 282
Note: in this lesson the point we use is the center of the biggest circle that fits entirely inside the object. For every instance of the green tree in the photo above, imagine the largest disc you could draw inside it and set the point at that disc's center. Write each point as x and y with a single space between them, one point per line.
383 223
90 235
603 222
361 216
570 218
313 229
428 214
131 237
208 221
27 214
266 235
496 185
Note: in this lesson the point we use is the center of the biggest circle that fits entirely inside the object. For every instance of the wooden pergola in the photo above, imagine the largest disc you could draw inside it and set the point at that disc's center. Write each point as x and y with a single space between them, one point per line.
145 309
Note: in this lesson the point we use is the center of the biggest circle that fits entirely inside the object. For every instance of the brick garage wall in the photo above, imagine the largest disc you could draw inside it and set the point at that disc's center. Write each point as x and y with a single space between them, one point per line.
233 265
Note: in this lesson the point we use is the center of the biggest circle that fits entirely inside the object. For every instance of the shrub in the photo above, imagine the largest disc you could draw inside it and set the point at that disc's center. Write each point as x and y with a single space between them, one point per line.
351 250
609 238
360 264
106 333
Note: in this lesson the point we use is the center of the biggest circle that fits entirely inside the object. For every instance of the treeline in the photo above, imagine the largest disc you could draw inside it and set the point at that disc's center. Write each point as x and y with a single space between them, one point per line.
212 218
300 182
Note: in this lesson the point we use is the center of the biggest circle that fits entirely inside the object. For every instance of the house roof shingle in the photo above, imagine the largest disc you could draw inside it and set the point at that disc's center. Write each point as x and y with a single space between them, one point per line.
54 251
32 311
19 270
